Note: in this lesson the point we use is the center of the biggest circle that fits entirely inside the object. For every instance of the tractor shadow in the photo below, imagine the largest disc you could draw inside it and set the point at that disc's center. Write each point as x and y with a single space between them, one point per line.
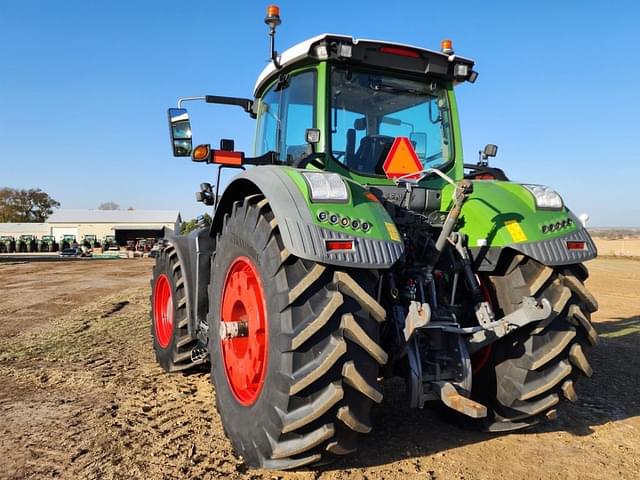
610 395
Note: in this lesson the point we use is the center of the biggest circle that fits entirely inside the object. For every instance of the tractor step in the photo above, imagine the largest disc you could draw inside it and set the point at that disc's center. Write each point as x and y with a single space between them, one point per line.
452 399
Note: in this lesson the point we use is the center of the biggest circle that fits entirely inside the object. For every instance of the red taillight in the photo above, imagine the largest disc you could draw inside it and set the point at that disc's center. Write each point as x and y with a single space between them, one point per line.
403 52
574 245
333 245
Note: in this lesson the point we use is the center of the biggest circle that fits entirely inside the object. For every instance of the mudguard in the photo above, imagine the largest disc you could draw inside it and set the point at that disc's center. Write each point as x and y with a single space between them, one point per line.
194 253
303 233
502 216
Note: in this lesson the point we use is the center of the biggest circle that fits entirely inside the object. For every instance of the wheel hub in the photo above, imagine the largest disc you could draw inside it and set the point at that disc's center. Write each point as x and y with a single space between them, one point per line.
243 331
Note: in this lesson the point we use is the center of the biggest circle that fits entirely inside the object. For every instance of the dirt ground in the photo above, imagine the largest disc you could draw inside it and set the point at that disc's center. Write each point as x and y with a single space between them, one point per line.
82 397
622 247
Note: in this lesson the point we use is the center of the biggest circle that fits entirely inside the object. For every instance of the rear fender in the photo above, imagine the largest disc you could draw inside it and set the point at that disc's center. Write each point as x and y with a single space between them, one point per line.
303 234
194 252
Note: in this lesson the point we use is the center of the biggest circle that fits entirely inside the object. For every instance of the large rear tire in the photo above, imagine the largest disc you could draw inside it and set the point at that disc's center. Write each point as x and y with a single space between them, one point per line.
172 342
529 372
309 361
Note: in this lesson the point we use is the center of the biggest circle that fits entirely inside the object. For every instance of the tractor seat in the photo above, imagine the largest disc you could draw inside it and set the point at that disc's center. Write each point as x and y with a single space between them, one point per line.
371 154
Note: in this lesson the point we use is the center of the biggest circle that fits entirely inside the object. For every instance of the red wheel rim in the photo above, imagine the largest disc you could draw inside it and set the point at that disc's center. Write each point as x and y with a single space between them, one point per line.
163 311
244 357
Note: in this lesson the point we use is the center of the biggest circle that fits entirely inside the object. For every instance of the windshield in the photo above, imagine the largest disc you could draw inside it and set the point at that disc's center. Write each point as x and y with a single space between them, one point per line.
369 110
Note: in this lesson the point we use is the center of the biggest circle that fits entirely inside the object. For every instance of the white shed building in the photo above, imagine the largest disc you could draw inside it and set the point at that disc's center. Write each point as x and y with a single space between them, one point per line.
124 224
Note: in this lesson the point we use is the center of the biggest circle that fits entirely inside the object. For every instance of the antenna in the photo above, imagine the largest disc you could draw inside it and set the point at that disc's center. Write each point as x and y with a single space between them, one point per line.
273 20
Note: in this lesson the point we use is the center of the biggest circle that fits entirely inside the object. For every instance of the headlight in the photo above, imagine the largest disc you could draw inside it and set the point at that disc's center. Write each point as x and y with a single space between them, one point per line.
545 197
326 187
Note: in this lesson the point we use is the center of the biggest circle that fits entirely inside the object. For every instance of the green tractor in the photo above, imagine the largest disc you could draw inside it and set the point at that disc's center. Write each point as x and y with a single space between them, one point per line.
355 248
27 244
109 242
90 241
7 244
47 243
68 241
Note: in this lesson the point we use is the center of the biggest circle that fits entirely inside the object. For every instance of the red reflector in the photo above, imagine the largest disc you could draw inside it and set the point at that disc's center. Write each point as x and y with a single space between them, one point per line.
333 245
403 52
224 157
576 245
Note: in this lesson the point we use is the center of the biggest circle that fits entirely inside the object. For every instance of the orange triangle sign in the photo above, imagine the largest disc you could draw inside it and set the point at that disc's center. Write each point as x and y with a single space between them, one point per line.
402 160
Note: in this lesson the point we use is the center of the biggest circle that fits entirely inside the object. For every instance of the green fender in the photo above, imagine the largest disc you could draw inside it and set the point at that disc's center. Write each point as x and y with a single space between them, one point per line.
500 215
303 233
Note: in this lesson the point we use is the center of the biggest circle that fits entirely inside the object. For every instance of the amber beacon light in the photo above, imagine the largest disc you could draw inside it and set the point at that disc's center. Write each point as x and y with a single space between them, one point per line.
273 16
446 46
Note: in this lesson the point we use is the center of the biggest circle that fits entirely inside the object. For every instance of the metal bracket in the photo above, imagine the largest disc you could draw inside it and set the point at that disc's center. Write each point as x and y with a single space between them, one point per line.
199 354
530 311
418 317
452 399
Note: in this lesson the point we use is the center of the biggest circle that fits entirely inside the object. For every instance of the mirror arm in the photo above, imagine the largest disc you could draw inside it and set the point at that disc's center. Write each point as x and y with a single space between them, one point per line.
188 99
245 103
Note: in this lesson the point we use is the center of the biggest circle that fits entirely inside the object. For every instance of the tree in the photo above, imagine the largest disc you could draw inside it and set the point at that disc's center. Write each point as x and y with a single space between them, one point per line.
32 205
201 221
109 206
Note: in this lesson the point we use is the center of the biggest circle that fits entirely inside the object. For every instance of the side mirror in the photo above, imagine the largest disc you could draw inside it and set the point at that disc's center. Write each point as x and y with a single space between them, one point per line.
180 131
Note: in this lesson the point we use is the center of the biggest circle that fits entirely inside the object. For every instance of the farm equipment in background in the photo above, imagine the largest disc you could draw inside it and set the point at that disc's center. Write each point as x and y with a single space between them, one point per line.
141 245
27 244
355 249
68 241
90 241
149 244
109 243
47 243
7 244
131 245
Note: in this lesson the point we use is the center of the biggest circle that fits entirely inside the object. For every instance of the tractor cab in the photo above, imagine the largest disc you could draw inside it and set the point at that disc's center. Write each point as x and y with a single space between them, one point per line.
348 101
369 110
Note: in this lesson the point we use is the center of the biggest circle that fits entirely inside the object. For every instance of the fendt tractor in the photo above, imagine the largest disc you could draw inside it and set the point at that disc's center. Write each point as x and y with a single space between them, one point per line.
7 244
47 243
90 241
109 242
68 241
352 247
27 244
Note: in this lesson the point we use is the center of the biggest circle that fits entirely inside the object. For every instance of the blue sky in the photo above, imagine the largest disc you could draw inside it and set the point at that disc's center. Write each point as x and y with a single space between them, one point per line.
85 85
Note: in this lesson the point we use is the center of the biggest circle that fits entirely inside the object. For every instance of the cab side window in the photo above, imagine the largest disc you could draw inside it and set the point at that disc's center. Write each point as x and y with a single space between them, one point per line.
267 126
284 114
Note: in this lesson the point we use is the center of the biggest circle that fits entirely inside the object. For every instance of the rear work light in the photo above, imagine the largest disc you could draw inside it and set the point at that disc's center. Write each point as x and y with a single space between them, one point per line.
339 245
576 245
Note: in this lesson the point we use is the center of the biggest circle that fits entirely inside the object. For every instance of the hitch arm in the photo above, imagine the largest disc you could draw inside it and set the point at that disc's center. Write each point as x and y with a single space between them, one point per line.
530 311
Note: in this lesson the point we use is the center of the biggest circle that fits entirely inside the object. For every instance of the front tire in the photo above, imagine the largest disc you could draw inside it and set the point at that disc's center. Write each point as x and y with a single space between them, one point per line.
530 371
308 393
172 342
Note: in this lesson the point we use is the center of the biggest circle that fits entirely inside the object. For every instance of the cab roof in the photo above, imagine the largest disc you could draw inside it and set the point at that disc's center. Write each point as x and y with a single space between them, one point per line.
375 53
